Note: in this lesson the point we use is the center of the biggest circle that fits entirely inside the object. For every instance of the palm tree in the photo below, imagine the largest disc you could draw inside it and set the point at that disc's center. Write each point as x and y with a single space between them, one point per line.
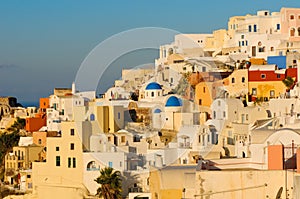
110 182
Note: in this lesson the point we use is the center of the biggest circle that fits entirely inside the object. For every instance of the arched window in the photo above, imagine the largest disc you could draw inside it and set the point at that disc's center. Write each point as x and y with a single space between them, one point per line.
170 51
91 166
92 117
292 32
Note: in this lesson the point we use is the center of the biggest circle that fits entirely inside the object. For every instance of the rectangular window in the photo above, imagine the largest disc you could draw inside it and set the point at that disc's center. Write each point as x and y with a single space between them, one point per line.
119 115
72 132
224 114
123 139
200 101
254 91
203 89
254 28
110 164
272 93
203 69
249 28
278 76
246 42
57 161
57 148
69 162
72 146
278 26
74 162
199 138
121 163
242 36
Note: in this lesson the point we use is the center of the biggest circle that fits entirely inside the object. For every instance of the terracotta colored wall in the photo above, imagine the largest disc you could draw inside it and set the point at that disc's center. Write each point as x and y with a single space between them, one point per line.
44 103
298 160
35 123
40 135
292 72
275 157
270 76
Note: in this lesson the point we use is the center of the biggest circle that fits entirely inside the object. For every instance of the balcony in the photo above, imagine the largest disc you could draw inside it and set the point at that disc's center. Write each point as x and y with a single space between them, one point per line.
185 145
135 190
93 169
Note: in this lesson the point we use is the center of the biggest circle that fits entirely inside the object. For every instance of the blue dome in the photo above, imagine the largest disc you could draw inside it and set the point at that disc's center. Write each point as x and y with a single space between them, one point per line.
173 101
157 110
153 86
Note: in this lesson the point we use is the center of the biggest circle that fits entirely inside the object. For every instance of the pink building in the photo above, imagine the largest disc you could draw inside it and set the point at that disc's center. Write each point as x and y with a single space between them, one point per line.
290 23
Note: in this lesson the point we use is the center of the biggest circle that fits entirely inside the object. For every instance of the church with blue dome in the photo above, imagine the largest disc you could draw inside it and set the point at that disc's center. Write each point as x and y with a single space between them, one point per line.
153 86
173 101
153 90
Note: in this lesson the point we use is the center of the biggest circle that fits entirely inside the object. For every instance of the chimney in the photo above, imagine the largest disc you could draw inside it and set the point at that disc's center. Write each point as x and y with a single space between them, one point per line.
73 88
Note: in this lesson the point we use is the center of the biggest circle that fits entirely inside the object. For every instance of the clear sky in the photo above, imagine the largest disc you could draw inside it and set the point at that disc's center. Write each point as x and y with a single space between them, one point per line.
42 43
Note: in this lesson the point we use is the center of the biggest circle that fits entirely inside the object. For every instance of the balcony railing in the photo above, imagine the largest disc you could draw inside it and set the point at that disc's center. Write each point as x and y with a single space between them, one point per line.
135 190
92 169
184 145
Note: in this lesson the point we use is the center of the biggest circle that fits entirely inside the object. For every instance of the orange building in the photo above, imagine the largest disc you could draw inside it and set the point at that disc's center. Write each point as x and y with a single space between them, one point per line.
35 123
275 157
44 104
209 87
40 119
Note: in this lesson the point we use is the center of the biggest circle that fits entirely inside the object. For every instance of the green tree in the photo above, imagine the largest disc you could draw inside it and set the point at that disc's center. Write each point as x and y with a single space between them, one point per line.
7 142
17 125
288 82
110 184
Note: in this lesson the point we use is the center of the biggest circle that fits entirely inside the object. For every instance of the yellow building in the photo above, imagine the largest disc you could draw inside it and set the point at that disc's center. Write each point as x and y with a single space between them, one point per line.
21 158
61 175
235 25
203 94
216 41
237 83
265 81
206 92
173 182
186 181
